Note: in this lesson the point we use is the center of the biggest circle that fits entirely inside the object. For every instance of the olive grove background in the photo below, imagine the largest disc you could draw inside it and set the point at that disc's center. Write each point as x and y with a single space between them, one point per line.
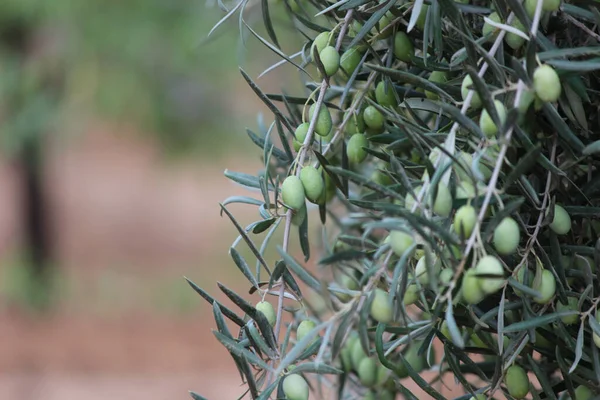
113 142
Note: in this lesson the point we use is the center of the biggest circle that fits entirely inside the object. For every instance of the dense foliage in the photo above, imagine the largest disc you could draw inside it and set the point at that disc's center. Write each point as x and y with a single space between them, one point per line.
444 159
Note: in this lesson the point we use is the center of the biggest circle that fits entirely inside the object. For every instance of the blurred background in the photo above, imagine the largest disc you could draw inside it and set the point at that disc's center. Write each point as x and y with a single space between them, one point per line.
117 120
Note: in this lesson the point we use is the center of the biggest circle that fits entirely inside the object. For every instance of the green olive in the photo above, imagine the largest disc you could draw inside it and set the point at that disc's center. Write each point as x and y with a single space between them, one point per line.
356 124
522 280
324 123
470 290
384 94
465 190
383 374
527 98
489 265
436 77
442 205
583 393
507 236
422 17
570 306
411 295
381 178
373 117
513 40
421 270
550 5
300 135
546 83
313 184
546 287
358 354
367 372
330 58
381 309
487 125
516 382
403 47
299 215
446 276
355 148
347 282
304 329
384 25
489 29
561 224
401 242
464 220
295 387
350 60
320 42
467 84
292 192
268 311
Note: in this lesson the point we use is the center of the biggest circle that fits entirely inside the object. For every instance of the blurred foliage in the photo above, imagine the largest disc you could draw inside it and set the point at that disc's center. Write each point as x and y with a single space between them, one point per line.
135 61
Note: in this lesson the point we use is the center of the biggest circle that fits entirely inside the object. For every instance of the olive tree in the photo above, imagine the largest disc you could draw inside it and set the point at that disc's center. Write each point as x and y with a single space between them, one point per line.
443 158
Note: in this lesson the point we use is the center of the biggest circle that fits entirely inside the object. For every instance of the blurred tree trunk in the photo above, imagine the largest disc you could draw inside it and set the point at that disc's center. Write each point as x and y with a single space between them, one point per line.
15 37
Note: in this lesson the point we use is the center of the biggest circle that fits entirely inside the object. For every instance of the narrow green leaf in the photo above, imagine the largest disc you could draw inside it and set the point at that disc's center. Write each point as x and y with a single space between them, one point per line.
196 396
244 179
317 368
538 321
302 273
259 317
243 200
526 162
243 266
248 241
578 347
371 22
457 338
235 348
226 311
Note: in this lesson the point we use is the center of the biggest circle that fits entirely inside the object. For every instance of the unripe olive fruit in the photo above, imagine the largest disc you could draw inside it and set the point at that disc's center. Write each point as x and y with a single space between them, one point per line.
467 84
446 276
411 295
381 309
304 328
381 178
465 190
267 309
383 374
330 58
513 40
386 395
300 134
295 387
530 6
346 357
442 205
373 117
471 292
464 220
421 270
299 215
489 265
550 5
487 28
507 236
324 123
292 192
436 77
583 393
367 372
546 287
346 281
383 25
320 42
570 306
516 382
422 17
403 47
355 148
527 98
561 224
487 125
358 354
312 181
356 124
385 98
546 83
400 242
350 60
